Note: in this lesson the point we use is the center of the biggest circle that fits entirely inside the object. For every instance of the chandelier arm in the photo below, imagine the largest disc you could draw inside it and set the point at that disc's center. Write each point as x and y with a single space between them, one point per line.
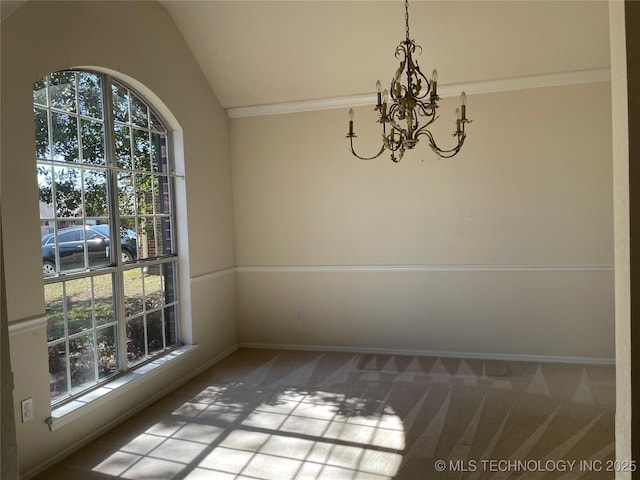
439 151
427 109
417 73
401 131
382 149
423 128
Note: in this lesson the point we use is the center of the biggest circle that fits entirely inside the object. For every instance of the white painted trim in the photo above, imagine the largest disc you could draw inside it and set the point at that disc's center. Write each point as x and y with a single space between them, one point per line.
472 88
426 268
113 423
87 403
26 324
216 273
438 353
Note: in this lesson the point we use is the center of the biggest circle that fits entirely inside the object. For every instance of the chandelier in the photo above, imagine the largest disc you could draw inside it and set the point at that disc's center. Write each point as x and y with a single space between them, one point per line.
411 102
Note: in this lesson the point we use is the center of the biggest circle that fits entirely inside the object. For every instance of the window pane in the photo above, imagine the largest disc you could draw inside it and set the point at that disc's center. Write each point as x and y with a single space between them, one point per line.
90 94
40 92
154 297
103 299
69 244
163 230
62 91
92 142
65 137
163 199
41 120
79 305
163 154
122 137
135 340
120 103
57 370
158 153
82 361
68 192
129 244
139 112
169 274
55 314
155 123
170 325
146 238
95 193
107 358
141 150
144 194
155 341
134 298
45 192
126 194
128 225
98 245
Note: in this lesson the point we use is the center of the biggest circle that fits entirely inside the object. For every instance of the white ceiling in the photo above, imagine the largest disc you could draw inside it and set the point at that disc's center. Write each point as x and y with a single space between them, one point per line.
265 52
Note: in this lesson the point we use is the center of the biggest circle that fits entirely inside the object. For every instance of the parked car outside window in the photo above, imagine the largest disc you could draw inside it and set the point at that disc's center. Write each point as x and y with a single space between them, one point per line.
72 243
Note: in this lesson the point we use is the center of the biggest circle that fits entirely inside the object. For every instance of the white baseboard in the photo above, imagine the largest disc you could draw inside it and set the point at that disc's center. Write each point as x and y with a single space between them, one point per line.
437 353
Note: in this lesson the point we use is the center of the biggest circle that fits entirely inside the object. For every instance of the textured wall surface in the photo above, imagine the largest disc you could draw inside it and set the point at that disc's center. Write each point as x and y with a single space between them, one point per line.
138 43
506 248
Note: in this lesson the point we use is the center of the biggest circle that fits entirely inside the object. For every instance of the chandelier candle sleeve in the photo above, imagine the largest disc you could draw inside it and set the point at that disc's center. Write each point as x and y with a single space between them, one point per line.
434 84
463 104
407 109
385 97
351 122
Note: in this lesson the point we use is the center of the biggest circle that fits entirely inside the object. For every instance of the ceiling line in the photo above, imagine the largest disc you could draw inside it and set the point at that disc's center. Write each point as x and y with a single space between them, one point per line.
472 88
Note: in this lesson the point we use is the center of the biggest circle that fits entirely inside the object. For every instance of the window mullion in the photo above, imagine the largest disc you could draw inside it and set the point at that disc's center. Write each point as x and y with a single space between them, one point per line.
82 171
114 214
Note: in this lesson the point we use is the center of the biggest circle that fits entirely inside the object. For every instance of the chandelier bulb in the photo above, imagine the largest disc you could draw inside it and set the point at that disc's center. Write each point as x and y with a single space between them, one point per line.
463 99
434 75
385 95
458 114
350 134
378 86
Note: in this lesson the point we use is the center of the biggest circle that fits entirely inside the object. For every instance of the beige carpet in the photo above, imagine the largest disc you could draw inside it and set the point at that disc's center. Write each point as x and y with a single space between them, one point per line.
280 415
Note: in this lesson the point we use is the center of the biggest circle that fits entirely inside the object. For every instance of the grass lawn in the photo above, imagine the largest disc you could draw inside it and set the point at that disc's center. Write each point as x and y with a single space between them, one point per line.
79 290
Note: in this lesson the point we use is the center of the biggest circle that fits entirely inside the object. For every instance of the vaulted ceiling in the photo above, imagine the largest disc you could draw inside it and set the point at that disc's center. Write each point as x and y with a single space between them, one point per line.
273 51
265 52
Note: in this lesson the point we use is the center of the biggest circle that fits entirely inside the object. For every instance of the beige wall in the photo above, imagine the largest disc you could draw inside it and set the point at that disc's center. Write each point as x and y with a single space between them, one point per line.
508 246
620 148
532 188
136 40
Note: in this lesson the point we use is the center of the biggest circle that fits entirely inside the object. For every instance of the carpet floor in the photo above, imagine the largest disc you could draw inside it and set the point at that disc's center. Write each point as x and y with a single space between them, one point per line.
290 415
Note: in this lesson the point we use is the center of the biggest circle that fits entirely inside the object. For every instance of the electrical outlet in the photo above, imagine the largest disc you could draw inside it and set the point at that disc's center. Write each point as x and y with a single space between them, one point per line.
299 314
27 410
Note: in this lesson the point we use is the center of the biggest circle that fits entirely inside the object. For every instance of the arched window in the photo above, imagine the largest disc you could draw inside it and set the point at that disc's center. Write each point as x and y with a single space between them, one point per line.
107 217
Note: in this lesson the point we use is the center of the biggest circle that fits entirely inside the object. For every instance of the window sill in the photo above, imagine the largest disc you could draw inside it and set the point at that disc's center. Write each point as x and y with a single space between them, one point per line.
67 413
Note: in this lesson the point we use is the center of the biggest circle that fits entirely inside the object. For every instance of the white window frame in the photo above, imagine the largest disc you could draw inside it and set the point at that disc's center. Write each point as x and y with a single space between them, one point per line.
117 268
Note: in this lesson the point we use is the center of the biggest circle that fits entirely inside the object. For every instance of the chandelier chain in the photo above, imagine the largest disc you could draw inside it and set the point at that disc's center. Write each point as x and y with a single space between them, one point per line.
406 17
